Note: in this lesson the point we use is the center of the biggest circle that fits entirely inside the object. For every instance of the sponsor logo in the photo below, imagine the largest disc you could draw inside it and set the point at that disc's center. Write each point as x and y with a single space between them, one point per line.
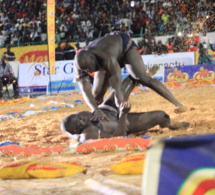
204 74
34 56
178 76
36 70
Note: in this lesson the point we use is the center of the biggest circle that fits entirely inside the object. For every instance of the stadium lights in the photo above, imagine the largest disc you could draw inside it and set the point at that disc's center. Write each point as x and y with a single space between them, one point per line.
132 3
179 34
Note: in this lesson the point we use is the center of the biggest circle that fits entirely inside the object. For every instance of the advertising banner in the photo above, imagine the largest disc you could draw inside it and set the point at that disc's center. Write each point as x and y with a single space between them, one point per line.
170 59
51 34
35 77
180 166
63 85
183 76
164 60
27 54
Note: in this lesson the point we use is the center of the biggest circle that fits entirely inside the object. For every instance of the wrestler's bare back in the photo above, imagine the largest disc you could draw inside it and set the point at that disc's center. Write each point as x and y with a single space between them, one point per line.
103 50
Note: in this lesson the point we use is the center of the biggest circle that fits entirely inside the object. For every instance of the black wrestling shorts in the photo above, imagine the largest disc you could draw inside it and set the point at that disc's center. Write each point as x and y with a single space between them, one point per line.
127 42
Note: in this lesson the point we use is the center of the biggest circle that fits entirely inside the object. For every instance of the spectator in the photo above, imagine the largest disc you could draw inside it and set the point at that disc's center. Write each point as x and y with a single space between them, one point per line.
34 35
205 40
194 47
59 53
165 17
96 32
178 41
4 31
26 37
126 21
9 54
43 35
161 48
160 25
8 39
7 77
2 39
89 34
169 45
204 57
129 32
148 42
15 38
62 33
151 12
87 42
167 4
183 7
69 52
78 48
19 27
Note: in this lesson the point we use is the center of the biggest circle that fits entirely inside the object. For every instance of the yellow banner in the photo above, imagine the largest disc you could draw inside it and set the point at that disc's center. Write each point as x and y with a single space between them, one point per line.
51 34
28 54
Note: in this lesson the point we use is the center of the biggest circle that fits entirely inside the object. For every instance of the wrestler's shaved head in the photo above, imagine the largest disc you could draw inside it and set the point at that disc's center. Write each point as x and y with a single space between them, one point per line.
72 124
86 61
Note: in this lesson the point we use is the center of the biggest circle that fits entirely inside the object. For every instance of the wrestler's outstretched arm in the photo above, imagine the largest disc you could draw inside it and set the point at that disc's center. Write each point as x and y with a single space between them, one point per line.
85 86
100 85
122 126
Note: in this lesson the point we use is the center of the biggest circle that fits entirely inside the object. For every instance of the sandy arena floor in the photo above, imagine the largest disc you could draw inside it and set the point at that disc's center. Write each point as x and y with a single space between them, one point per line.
44 128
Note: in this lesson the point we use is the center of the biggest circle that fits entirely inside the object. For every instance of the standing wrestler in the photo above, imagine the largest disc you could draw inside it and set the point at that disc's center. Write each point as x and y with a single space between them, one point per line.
80 128
106 56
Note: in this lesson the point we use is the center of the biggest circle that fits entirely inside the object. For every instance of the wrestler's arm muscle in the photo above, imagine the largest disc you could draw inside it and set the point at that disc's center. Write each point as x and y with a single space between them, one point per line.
122 126
85 86
111 65
116 83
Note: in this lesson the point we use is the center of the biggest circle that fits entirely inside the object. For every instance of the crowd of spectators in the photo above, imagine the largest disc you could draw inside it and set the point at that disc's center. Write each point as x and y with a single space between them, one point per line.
181 41
24 21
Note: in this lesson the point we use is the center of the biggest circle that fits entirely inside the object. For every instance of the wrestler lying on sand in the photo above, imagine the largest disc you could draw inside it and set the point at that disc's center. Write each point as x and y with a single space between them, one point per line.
80 128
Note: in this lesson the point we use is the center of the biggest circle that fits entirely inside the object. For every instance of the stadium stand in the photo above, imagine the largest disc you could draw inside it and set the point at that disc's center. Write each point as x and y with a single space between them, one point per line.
23 22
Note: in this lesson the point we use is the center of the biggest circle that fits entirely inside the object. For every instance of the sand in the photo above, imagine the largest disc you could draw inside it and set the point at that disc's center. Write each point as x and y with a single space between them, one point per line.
44 128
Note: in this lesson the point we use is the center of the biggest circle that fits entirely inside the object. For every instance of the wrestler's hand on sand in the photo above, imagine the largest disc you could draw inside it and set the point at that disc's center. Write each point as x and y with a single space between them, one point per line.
99 115
124 108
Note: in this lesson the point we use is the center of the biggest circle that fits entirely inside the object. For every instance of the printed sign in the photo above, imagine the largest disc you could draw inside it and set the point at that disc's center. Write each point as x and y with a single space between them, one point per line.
64 85
182 76
166 60
36 76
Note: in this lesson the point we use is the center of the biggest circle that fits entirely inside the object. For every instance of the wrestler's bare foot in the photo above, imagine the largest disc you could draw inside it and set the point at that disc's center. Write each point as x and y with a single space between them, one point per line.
180 109
174 125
